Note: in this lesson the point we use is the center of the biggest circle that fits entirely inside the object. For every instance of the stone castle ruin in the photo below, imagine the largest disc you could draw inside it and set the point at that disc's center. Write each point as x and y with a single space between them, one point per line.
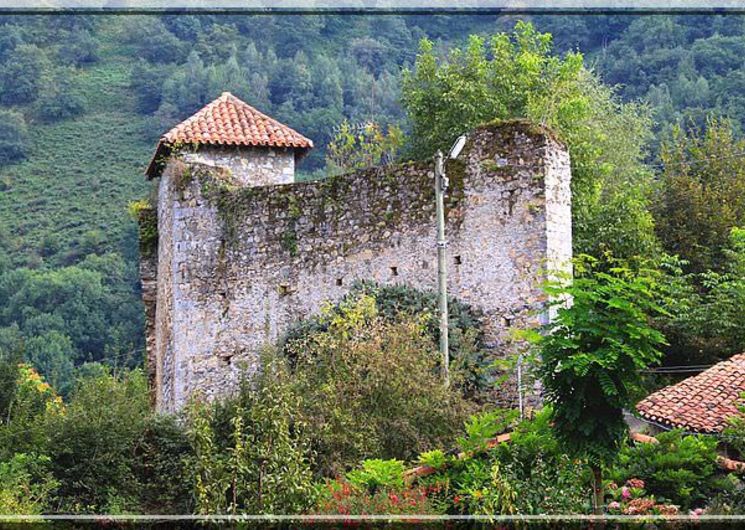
242 251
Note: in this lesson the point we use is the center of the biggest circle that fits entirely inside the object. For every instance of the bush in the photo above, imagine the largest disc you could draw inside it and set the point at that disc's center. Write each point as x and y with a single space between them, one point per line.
59 99
372 388
528 475
396 302
679 469
250 454
93 442
376 474
25 485
160 465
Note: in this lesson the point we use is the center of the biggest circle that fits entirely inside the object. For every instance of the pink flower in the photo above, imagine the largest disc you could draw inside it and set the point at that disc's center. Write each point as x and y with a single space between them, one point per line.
697 512
625 493
615 505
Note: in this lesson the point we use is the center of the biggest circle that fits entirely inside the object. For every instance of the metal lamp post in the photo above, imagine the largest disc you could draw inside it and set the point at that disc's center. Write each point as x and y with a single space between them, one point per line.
441 186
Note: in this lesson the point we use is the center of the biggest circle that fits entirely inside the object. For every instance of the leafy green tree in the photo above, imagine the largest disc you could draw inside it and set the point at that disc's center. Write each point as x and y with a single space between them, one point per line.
91 445
250 452
701 195
78 48
13 136
516 76
362 147
21 75
360 399
591 355
705 320
59 99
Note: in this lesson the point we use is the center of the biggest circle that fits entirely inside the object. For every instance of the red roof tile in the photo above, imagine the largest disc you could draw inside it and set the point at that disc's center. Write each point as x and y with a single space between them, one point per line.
229 121
702 403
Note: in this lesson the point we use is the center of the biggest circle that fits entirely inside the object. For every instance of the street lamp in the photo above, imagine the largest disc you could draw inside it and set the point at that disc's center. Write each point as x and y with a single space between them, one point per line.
441 186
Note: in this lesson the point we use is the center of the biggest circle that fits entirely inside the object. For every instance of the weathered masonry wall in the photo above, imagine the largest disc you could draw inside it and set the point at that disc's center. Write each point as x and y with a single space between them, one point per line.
249 166
237 266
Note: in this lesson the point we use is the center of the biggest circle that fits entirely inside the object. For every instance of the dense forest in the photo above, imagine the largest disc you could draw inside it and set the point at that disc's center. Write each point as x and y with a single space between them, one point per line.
84 98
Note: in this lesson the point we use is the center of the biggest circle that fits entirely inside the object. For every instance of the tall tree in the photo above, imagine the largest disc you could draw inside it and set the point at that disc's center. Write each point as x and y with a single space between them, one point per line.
591 356
701 196
516 76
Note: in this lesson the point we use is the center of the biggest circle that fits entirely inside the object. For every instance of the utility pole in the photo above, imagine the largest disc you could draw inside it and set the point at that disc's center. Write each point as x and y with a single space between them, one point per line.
441 185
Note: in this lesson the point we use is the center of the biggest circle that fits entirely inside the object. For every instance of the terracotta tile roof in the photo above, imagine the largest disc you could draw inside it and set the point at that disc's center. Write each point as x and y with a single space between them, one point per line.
701 403
229 121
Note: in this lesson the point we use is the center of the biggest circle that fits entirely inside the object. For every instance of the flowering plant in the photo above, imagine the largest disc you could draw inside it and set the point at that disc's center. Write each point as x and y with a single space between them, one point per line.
340 497
632 499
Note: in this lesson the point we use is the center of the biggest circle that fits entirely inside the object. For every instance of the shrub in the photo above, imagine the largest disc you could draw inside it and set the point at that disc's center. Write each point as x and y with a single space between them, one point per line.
679 469
160 466
339 497
376 474
250 454
25 484
394 303
528 475
372 388
91 445
482 428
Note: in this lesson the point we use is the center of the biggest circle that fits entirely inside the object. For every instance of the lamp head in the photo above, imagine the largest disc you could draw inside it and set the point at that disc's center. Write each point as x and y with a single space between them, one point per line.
457 147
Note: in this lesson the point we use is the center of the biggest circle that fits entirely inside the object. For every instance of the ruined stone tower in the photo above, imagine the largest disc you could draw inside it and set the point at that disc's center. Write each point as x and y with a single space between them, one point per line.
243 252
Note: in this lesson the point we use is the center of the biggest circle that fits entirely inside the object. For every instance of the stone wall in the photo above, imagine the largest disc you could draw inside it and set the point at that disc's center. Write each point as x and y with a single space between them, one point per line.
250 166
238 265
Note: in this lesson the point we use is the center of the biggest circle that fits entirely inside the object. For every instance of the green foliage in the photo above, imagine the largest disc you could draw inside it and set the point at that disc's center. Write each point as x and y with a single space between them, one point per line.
13 136
146 216
250 453
59 98
729 501
396 302
160 465
21 75
72 315
701 194
592 352
734 434
529 475
362 147
705 320
680 469
435 458
369 385
91 444
516 76
25 485
377 473
482 428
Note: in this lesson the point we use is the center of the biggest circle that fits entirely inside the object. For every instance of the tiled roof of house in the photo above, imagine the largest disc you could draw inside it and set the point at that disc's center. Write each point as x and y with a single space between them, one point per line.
702 403
229 121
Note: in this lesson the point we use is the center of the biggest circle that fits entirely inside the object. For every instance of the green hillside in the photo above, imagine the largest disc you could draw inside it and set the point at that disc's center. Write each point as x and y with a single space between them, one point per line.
69 198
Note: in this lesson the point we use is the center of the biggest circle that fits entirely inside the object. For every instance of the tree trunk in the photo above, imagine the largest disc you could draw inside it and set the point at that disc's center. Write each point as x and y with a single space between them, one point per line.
597 490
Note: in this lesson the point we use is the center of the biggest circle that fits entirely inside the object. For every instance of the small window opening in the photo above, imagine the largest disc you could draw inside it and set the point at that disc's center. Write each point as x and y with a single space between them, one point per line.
507 322
458 261
339 281
284 289
394 271
425 264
